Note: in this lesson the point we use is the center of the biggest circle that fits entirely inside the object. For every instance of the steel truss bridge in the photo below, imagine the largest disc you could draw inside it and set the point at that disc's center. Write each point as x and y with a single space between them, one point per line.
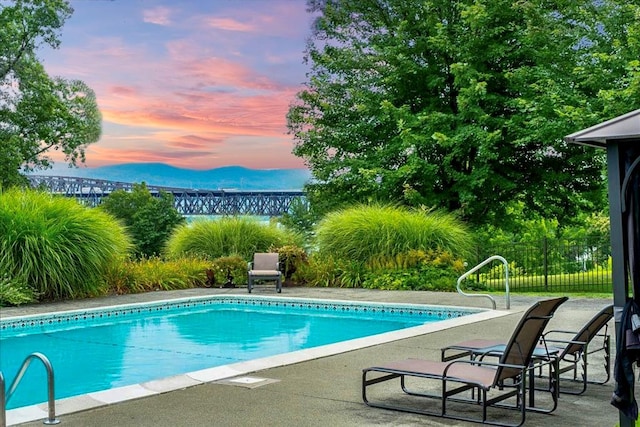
186 201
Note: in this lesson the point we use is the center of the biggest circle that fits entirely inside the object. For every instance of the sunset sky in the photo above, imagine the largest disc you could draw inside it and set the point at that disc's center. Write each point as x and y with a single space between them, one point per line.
192 83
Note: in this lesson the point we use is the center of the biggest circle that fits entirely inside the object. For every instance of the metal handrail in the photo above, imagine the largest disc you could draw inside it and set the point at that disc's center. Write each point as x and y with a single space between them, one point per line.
50 387
477 267
3 415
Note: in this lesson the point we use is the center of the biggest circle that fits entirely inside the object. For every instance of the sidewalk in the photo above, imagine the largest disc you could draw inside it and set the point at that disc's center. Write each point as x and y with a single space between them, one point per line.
326 391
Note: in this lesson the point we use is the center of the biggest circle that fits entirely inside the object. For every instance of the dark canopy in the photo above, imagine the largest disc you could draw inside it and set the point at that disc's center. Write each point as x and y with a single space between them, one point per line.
621 138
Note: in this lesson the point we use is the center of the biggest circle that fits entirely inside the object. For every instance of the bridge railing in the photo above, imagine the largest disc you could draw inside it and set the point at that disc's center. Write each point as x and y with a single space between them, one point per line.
186 201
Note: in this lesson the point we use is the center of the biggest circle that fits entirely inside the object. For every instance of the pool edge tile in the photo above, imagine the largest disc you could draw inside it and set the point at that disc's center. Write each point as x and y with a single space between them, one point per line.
214 374
176 382
121 394
25 414
69 405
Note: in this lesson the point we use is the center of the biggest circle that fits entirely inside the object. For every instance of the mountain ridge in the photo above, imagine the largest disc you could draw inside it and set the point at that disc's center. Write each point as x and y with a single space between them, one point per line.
162 174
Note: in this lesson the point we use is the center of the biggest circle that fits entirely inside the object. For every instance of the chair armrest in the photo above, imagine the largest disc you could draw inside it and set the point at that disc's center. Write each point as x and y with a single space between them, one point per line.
564 341
558 331
482 363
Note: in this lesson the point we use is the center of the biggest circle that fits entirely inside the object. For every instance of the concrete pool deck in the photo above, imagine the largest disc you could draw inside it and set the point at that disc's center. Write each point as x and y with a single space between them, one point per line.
326 390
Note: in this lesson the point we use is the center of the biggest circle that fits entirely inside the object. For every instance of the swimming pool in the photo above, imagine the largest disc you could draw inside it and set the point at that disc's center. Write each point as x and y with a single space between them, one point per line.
140 357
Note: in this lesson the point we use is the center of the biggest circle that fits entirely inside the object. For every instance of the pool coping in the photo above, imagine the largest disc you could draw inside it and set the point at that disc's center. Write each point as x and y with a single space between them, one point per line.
73 317
120 394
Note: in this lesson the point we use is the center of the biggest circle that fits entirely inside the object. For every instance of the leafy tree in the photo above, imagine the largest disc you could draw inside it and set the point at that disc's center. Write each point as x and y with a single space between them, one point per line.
39 113
150 220
300 218
463 105
27 24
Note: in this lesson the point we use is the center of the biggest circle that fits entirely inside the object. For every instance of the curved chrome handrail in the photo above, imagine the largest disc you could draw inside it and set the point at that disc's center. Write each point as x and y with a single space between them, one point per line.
477 267
50 386
3 415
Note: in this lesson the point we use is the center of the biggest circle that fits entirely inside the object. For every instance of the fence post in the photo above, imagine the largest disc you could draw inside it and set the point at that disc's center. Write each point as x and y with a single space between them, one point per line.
545 263
478 260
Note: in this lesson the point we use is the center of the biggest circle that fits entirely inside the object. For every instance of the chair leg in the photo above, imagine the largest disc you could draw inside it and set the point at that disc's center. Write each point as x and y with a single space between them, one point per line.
250 284
279 285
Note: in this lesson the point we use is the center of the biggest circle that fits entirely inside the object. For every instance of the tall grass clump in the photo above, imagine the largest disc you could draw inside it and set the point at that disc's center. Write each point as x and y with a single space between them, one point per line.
55 246
155 274
227 236
388 247
367 234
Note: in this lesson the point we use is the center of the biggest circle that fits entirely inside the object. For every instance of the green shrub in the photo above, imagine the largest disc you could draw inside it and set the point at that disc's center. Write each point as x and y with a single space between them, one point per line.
365 234
351 274
428 277
155 274
150 220
318 271
301 217
291 257
56 246
414 270
118 278
227 236
232 268
13 292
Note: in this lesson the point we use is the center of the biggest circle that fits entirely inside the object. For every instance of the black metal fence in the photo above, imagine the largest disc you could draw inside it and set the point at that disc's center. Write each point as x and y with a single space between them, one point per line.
549 265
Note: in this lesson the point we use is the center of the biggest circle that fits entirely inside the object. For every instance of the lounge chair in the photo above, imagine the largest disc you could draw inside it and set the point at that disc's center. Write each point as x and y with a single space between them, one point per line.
490 383
571 353
265 266
575 351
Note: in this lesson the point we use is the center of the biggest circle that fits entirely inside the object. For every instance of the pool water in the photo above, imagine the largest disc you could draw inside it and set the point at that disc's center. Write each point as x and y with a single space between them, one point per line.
108 348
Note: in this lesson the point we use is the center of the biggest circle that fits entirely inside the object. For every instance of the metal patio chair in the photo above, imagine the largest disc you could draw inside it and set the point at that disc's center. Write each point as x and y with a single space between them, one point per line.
576 349
265 267
490 383
572 353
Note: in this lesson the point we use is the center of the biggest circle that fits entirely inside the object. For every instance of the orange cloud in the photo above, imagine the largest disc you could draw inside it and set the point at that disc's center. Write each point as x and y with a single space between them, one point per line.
193 142
263 154
205 94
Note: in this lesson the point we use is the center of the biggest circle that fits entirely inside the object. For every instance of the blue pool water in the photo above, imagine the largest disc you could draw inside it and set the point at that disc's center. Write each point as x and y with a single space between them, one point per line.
105 348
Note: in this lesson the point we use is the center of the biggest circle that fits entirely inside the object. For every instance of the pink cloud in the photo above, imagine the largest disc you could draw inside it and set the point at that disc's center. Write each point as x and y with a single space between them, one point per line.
193 142
201 96
262 156
122 91
228 24
112 156
160 16
273 18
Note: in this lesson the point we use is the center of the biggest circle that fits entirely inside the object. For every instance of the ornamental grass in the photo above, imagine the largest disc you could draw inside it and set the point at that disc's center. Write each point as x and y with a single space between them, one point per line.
55 246
227 236
367 234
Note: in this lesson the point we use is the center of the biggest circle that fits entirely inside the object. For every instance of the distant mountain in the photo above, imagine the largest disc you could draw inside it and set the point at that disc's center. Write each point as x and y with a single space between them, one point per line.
228 177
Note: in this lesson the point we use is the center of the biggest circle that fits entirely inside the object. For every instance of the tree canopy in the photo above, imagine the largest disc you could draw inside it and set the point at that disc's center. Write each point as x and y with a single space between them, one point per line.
39 113
463 104
150 220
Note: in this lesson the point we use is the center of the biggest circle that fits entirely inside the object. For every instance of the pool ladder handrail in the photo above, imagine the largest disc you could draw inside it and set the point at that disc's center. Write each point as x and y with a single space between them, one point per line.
479 266
4 399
